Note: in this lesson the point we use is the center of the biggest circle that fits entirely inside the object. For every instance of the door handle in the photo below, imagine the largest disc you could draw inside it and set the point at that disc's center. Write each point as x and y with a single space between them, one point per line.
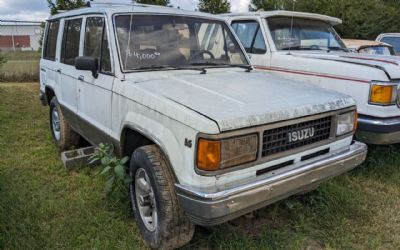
58 70
81 78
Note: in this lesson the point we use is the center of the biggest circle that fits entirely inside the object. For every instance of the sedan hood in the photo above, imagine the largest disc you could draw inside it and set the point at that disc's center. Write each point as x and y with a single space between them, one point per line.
236 99
389 64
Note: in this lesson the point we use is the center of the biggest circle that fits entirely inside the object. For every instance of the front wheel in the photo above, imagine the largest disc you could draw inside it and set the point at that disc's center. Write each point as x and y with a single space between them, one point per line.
160 219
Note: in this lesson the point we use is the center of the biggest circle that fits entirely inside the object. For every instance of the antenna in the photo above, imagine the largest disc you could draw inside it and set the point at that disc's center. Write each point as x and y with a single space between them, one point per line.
291 27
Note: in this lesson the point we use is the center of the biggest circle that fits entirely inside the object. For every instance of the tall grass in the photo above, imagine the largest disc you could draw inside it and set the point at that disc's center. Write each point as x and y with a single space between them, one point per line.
20 66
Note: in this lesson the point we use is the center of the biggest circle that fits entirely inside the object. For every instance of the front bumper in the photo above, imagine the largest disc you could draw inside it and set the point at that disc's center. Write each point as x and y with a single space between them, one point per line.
218 205
381 131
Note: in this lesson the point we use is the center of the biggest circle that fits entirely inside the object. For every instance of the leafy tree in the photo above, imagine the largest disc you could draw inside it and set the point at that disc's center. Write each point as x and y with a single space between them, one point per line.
154 2
362 19
64 5
214 6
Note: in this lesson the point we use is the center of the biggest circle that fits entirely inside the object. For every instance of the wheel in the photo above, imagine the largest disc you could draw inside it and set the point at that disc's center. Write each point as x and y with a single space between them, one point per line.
160 219
63 134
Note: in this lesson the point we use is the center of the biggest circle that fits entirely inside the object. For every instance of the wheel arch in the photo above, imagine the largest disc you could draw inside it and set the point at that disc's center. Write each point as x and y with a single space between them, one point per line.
49 94
133 138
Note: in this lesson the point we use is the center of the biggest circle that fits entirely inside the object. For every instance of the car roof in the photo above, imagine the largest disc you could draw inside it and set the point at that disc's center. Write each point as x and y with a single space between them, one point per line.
265 14
131 8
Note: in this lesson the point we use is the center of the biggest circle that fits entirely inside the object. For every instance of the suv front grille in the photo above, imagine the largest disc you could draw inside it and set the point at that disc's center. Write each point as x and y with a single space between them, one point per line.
278 140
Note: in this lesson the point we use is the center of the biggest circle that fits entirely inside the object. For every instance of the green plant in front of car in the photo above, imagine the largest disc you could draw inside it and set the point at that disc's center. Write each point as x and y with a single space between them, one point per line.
113 170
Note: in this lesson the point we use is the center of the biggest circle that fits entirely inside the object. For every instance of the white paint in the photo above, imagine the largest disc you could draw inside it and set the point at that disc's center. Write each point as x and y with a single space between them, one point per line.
360 67
173 106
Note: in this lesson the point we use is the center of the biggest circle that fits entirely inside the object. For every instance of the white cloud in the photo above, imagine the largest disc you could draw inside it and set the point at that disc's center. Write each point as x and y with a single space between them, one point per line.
32 10
240 5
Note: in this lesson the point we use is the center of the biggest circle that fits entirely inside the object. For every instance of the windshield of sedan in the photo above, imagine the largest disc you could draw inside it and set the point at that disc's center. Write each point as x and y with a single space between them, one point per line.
170 42
304 34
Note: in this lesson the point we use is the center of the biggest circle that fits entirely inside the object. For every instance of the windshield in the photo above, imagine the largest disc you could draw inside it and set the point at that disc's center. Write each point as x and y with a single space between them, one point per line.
160 41
306 34
376 50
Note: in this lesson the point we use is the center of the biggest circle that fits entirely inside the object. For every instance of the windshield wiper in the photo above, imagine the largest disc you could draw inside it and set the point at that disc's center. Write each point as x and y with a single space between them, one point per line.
165 67
214 64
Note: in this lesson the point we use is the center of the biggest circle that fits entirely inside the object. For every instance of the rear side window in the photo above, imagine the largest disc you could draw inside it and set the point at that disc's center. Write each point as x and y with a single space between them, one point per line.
250 34
71 39
96 42
50 45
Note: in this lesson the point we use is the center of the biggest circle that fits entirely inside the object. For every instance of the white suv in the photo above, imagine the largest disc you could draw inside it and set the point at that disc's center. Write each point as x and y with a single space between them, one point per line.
209 139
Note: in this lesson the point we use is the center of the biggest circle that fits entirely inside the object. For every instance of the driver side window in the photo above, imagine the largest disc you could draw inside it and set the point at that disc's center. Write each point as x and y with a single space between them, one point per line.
96 43
250 34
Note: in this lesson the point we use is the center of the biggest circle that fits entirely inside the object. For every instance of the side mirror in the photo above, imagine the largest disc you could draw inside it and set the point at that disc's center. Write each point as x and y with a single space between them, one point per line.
88 64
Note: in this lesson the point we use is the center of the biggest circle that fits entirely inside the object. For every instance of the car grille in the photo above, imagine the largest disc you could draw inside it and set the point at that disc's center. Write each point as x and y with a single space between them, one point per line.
277 140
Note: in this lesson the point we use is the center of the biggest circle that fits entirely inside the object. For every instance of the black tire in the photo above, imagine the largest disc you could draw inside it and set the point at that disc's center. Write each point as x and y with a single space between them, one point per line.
172 228
63 135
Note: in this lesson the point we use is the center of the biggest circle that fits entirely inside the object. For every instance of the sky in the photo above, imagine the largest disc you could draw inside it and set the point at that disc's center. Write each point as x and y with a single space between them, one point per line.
37 10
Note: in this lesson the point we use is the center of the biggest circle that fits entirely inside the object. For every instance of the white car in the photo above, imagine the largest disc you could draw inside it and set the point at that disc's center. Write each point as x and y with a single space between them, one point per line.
392 39
306 47
209 138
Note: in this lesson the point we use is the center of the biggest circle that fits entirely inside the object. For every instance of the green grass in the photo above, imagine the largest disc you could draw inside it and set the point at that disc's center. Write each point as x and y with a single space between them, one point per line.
42 206
20 66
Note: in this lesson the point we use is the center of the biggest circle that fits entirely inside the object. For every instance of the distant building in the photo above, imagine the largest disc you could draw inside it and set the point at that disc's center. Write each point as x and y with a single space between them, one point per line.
20 35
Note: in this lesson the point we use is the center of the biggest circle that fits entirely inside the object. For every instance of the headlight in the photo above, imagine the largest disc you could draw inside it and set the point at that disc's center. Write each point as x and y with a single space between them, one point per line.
219 154
382 93
347 123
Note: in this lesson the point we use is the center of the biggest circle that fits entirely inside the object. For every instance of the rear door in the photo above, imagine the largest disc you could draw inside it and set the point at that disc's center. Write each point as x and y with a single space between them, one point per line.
67 72
49 63
95 93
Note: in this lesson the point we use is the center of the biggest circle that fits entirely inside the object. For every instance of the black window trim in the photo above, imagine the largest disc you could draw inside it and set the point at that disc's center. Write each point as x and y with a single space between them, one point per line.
64 37
46 40
255 34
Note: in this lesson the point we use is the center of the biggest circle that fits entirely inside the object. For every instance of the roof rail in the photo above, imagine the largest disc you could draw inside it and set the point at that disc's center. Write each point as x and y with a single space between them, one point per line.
116 4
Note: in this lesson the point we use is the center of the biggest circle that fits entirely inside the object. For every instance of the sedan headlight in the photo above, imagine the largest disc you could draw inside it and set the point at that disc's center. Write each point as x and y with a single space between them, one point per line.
382 93
220 154
347 123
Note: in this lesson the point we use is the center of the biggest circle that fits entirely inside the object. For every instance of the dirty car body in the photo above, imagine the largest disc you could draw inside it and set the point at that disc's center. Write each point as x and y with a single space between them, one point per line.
305 47
235 139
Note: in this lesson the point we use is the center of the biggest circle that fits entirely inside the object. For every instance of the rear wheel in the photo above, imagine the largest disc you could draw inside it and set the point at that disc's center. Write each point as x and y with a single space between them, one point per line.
62 132
160 219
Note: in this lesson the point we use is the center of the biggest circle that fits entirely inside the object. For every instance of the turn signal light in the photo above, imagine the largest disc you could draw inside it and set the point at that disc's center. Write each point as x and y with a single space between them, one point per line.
208 155
383 94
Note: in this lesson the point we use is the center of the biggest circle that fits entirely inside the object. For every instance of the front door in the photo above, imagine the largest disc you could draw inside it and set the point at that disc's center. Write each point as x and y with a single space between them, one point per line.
95 92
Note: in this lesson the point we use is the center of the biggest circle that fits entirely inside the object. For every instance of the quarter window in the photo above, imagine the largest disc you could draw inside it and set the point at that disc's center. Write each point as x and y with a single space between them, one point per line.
96 47
51 41
71 39
250 34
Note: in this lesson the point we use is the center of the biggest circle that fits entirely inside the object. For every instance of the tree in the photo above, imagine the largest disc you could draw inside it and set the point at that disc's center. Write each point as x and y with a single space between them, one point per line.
64 5
362 19
214 6
154 2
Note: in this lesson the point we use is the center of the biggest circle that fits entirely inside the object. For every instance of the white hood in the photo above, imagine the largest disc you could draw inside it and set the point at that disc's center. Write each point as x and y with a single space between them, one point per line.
235 99
389 64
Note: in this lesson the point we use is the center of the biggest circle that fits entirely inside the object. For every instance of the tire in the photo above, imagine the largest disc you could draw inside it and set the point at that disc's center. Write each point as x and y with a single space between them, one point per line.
63 135
167 227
